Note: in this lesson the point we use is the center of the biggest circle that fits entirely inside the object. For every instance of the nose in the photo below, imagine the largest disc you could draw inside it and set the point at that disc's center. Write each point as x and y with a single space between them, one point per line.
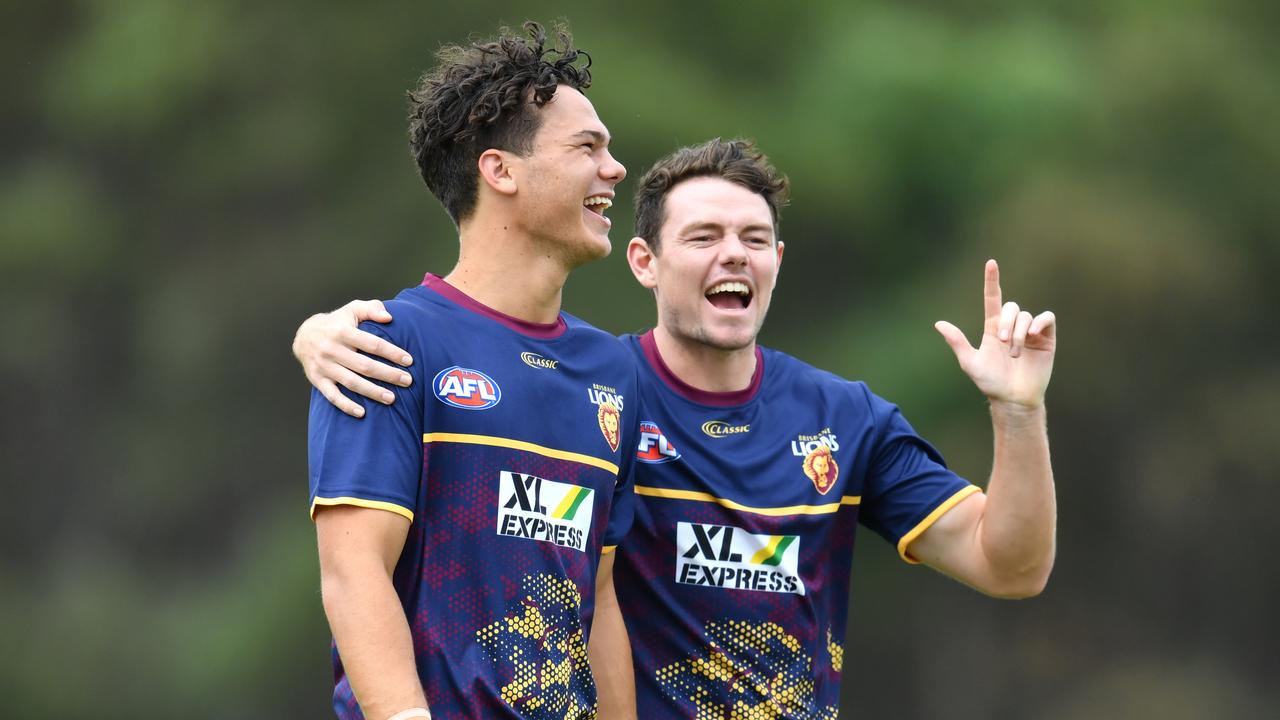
732 250
612 170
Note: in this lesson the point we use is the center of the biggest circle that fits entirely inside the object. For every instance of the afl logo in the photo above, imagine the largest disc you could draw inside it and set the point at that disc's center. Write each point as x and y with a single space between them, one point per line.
654 446
720 428
465 388
535 360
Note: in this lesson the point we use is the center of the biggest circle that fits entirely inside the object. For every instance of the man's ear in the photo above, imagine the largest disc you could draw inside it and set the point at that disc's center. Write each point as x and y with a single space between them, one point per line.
495 168
643 261
781 246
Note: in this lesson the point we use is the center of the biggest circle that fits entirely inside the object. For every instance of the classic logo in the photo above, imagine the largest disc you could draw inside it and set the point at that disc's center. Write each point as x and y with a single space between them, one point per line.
601 394
720 428
734 559
654 447
534 360
608 417
534 508
466 388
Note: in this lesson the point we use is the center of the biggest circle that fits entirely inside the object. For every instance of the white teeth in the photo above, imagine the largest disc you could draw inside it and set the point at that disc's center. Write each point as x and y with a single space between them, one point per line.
733 287
599 200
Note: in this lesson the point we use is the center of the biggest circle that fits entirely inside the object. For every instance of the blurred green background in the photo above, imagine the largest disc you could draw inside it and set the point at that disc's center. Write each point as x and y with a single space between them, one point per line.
182 183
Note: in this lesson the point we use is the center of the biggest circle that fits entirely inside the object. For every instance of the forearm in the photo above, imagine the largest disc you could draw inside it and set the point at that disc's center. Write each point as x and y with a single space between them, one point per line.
373 638
609 651
1019 525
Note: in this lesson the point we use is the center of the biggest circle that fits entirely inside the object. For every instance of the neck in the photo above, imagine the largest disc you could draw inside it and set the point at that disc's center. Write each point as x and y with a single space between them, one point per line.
500 267
705 367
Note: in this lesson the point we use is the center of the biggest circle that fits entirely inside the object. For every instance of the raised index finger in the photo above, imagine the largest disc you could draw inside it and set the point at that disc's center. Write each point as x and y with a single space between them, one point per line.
991 298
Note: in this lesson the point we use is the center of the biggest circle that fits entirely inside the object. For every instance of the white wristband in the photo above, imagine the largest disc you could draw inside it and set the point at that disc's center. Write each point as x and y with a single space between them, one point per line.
418 712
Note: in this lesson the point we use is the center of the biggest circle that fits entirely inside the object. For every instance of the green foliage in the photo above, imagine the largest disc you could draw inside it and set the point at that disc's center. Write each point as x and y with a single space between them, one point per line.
182 183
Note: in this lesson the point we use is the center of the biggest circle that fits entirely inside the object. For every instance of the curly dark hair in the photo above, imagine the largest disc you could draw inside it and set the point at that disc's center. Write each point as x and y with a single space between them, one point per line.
480 97
737 160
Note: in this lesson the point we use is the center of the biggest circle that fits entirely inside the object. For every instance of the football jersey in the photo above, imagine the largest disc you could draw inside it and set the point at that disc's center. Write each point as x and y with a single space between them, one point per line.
511 455
734 580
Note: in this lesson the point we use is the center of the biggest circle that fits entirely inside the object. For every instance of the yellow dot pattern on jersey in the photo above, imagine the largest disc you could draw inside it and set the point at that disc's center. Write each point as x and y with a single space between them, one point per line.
836 651
746 671
539 644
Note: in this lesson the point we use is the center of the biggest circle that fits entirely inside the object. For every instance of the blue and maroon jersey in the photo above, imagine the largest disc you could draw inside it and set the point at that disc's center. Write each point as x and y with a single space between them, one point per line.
734 580
511 456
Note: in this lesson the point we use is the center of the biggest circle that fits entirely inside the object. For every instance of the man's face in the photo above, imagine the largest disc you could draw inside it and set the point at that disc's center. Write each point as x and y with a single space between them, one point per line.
567 182
717 264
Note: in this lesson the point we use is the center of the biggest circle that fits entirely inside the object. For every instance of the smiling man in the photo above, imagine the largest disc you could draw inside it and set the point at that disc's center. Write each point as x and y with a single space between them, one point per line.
464 531
755 469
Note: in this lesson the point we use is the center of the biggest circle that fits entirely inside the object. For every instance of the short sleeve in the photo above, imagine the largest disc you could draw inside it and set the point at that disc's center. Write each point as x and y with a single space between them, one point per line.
374 461
909 485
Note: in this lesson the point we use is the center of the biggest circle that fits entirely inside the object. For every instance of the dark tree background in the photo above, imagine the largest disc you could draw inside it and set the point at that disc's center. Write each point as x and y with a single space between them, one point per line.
182 183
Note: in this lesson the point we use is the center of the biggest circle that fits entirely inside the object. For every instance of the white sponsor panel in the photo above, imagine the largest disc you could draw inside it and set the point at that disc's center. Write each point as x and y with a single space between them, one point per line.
732 558
535 508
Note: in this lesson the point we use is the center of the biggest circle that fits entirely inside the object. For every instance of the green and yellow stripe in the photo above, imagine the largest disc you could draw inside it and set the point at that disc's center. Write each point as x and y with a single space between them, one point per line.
568 506
771 554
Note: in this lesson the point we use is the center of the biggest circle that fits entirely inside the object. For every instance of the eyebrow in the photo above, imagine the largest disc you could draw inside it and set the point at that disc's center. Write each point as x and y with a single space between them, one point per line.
596 136
709 225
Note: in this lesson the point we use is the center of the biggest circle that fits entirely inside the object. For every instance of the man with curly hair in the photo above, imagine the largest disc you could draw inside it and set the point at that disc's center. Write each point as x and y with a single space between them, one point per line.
465 531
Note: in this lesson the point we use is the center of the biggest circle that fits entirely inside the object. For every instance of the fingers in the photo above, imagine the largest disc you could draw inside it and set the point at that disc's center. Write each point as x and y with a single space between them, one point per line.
335 396
361 386
357 339
1021 324
955 338
1045 325
344 358
991 296
1008 315
363 310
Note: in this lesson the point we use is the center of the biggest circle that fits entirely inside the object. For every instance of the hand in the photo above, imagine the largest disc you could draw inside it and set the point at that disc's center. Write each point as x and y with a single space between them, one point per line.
1013 364
327 344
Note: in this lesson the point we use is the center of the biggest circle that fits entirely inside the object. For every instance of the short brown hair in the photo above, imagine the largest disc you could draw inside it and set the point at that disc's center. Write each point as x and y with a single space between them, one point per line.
479 97
737 160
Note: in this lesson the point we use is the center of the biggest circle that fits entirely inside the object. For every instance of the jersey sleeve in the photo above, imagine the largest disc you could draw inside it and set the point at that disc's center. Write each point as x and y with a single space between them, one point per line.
909 485
374 461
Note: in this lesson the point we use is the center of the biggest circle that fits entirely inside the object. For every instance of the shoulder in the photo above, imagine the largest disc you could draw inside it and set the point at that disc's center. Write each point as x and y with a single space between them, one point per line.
794 374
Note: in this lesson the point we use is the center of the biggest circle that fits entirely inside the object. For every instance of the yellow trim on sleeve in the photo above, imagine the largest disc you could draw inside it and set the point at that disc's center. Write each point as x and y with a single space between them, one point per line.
773 511
930 519
520 445
606 549
361 502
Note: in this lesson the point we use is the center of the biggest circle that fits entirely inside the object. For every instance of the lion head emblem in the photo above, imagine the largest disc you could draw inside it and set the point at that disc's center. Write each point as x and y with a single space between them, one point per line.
608 417
821 468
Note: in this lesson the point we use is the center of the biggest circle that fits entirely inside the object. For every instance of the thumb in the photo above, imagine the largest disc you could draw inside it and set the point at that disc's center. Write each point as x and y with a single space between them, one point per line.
955 338
373 310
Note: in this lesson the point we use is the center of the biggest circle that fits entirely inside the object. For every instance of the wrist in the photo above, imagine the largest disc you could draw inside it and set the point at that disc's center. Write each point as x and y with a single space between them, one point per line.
1017 415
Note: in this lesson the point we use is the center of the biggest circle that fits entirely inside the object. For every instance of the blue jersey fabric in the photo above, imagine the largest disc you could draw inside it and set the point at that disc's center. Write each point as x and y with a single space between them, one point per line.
511 455
734 579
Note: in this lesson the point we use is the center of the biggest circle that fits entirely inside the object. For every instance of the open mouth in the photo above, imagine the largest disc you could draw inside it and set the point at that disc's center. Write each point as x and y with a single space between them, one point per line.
597 204
730 296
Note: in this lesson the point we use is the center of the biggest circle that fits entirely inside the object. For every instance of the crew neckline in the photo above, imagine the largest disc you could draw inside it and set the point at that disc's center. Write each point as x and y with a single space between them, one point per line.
542 331
649 345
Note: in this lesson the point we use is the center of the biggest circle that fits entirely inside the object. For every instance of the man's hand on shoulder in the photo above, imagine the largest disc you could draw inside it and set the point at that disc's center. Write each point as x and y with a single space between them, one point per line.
329 347
1012 364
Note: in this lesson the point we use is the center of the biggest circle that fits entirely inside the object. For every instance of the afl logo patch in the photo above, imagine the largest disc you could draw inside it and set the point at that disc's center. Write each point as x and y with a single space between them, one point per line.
466 388
654 446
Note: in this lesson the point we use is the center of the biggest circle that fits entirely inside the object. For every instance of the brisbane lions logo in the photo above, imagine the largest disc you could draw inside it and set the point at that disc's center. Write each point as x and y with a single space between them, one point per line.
607 416
821 468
